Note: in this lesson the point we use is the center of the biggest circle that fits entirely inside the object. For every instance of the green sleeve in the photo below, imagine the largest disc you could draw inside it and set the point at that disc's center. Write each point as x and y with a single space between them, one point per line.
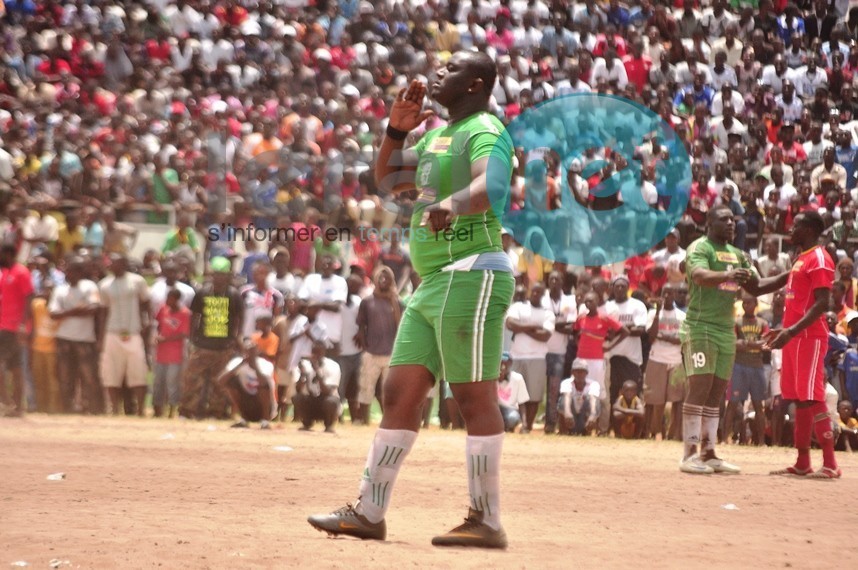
486 143
699 256
169 243
420 147
192 241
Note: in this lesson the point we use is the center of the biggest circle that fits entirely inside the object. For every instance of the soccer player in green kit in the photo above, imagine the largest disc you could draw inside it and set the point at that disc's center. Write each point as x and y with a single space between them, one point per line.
715 270
453 327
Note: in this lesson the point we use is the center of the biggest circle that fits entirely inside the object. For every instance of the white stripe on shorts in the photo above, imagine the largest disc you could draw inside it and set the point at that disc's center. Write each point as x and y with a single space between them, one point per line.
441 324
476 329
482 330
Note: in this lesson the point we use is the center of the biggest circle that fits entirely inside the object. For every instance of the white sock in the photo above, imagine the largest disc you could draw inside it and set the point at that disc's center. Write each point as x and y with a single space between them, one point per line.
386 455
692 419
711 419
483 454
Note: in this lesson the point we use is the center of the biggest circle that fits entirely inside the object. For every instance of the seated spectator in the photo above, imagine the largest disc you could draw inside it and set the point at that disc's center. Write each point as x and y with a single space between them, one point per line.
579 401
249 382
512 394
848 424
317 396
628 412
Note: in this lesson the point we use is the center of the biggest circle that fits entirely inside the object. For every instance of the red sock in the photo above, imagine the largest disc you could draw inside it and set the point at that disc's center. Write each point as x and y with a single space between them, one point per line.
803 427
824 433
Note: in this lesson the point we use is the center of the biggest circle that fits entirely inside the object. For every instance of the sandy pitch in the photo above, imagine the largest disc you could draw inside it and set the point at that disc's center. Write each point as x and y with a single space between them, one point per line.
210 497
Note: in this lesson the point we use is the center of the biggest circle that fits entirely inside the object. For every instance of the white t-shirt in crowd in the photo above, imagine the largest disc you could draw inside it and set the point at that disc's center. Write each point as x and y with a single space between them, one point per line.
591 388
524 346
350 327
66 297
631 313
513 392
329 371
158 294
565 311
287 285
258 304
317 289
668 324
672 263
250 381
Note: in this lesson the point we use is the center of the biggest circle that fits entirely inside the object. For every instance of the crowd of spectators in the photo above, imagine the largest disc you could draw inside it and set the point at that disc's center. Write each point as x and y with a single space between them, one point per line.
269 112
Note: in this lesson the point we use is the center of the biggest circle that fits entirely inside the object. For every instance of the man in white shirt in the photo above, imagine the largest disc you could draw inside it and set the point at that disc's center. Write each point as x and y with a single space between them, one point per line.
326 293
625 359
317 397
349 358
37 228
671 257
125 300
579 401
565 312
259 299
512 394
610 70
665 358
784 191
75 305
727 95
532 326
168 280
249 381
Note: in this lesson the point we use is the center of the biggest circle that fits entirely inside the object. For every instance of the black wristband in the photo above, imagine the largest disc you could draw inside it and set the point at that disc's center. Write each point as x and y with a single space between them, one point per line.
395 134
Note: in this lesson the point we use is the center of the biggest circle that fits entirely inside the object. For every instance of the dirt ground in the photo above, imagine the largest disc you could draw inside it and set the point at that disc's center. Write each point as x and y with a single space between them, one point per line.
143 493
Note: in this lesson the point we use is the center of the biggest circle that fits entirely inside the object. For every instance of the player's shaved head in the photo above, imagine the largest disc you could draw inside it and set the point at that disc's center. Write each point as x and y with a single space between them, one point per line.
482 67
713 214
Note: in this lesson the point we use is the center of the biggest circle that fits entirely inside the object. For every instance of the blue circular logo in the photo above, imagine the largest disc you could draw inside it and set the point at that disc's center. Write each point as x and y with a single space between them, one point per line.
624 179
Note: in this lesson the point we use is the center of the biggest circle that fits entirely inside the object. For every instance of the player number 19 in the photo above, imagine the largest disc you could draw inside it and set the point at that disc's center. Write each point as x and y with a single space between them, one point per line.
699 359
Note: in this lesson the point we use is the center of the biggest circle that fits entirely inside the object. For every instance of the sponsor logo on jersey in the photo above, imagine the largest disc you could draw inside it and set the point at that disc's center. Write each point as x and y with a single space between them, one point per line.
726 257
440 145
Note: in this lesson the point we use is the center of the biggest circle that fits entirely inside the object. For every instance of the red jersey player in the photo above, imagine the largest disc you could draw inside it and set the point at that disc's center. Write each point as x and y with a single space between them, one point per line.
804 340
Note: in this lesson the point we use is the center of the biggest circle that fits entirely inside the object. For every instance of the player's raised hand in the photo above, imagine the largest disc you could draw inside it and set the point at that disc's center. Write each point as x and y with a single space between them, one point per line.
407 112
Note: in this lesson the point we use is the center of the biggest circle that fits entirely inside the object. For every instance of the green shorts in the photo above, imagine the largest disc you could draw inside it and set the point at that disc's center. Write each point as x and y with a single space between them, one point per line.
708 352
453 325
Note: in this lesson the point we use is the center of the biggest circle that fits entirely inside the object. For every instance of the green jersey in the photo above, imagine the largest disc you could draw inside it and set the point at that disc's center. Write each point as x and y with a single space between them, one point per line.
712 308
444 167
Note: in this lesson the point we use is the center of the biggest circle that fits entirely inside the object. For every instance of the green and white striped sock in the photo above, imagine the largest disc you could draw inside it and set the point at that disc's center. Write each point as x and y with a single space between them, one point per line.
483 457
387 453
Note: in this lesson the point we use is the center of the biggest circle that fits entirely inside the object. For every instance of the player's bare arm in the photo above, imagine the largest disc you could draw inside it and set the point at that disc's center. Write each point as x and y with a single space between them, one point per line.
621 335
516 327
777 338
756 286
538 333
395 167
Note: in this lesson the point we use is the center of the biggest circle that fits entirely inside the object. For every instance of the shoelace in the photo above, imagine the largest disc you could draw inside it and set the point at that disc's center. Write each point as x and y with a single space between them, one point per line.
347 510
471 521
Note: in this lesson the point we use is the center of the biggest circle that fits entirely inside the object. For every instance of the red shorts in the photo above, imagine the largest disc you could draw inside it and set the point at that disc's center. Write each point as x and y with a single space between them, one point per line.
803 371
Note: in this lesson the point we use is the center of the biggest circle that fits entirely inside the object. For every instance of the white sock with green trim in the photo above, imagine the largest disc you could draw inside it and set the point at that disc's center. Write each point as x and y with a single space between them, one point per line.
386 454
483 454
692 423
711 419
